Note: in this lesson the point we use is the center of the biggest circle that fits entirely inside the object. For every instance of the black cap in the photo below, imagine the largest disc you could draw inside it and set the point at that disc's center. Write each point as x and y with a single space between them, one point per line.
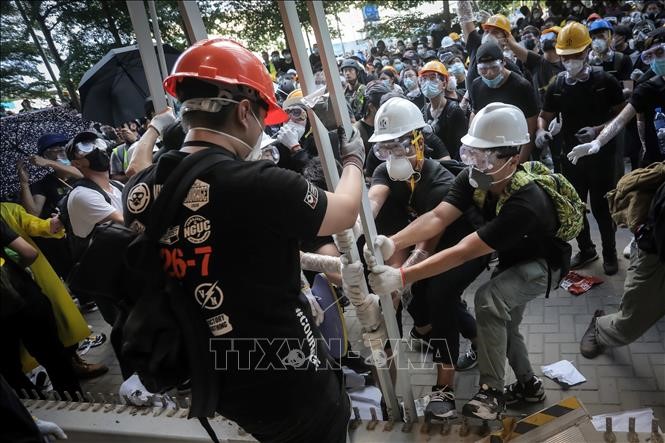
654 37
488 52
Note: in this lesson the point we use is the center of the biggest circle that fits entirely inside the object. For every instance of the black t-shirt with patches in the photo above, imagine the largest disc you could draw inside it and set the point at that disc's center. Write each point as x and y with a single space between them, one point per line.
432 188
646 97
52 189
524 228
234 245
584 104
515 91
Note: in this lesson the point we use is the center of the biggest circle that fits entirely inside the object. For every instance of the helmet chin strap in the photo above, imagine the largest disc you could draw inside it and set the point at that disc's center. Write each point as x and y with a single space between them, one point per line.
243 144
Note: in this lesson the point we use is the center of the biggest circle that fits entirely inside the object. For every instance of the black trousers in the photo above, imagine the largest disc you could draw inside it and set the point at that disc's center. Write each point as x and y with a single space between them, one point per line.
35 326
593 177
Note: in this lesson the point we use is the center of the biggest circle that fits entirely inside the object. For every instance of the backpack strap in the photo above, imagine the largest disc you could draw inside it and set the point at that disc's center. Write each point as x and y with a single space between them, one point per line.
176 187
86 183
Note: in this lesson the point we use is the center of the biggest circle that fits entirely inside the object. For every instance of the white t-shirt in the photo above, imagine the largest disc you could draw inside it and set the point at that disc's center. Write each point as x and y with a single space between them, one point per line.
87 207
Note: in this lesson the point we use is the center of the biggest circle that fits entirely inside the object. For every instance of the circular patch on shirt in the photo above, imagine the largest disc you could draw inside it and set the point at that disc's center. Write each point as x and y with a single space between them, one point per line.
209 295
138 198
197 229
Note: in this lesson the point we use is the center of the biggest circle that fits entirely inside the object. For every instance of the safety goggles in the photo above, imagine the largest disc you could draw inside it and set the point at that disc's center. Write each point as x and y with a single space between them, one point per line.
482 159
653 53
548 36
401 147
431 77
89 146
492 67
270 153
296 113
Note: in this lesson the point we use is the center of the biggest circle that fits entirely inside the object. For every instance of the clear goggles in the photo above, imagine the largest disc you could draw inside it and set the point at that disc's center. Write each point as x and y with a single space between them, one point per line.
548 36
89 146
270 153
492 67
296 113
431 77
401 147
482 159
653 53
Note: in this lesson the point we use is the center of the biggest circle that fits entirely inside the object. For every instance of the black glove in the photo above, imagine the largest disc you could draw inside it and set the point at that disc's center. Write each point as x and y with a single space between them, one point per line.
586 134
352 151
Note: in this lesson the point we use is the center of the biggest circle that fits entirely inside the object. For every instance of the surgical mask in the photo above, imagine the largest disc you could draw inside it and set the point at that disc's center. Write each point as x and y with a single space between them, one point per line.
487 37
658 66
421 52
494 82
300 129
430 89
399 168
409 83
457 68
599 45
99 160
384 61
386 83
573 66
484 180
398 66
452 83
64 161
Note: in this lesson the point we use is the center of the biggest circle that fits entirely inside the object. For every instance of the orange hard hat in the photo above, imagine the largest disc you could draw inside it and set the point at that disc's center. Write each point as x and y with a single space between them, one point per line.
434 66
498 21
224 61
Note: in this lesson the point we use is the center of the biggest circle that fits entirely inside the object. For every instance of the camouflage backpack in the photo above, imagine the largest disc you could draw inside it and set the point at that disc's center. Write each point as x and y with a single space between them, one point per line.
567 203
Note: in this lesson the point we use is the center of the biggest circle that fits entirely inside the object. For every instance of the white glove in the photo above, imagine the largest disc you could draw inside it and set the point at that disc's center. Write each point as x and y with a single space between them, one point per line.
317 312
358 228
320 263
482 16
50 430
369 313
555 126
344 240
464 11
353 274
385 279
543 138
383 244
376 340
162 120
636 74
416 256
287 136
583 150
135 392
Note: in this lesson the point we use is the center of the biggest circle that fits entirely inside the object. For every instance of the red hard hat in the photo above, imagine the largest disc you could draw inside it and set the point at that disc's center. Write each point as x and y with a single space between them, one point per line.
220 60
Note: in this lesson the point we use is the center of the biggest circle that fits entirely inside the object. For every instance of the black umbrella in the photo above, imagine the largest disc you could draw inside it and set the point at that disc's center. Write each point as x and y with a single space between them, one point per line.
114 90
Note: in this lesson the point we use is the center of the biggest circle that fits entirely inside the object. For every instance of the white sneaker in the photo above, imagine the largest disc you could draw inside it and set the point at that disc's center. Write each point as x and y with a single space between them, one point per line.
626 250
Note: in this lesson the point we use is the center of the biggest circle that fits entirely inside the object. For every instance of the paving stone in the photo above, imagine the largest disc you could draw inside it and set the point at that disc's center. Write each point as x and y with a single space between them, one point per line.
657 359
570 348
641 366
551 314
551 353
660 376
560 337
532 319
622 355
535 343
637 384
608 391
615 371
649 348
543 328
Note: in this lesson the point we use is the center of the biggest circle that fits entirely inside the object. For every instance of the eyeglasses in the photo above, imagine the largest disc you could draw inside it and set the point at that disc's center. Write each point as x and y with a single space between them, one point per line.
296 113
401 147
89 146
482 159
490 67
653 53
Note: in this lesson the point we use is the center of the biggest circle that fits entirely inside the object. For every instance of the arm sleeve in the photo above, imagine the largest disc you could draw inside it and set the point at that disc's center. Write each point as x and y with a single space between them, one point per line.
533 61
508 228
35 226
638 99
550 104
380 176
614 91
436 147
460 194
86 208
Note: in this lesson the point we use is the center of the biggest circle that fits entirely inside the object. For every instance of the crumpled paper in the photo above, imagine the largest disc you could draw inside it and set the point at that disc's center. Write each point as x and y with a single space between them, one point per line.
578 284
564 373
643 418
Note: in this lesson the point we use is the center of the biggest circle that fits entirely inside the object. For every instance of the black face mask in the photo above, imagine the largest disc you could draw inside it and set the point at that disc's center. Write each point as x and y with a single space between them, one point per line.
548 45
529 44
99 160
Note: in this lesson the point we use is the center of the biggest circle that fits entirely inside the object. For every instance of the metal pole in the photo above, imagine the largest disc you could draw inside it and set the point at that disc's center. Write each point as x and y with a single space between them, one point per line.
318 21
297 44
160 48
146 48
191 16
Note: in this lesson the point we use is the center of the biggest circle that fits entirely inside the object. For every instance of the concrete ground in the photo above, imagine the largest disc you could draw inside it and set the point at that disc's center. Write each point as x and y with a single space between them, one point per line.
625 378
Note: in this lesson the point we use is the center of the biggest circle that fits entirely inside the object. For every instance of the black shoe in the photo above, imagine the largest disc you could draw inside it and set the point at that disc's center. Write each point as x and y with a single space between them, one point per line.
530 392
442 403
589 346
423 339
610 264
467 361
487 404
582 258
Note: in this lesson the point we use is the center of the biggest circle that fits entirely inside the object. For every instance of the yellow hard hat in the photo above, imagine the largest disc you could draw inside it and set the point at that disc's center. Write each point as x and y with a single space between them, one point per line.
434 66
454 35
573 39
294 98
498 21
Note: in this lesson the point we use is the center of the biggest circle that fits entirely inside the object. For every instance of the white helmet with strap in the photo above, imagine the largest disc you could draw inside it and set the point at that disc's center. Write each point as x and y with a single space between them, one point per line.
396 117
496 125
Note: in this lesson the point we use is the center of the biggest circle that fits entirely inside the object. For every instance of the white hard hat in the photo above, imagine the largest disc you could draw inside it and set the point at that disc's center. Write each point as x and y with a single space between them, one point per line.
395 118
497 124
447 41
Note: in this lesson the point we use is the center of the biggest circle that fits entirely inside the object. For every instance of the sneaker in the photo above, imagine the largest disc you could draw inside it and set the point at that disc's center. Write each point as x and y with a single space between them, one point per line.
487 404
91 341
467 361
626 250
610 264
582 258
589 346
441 403
423 339
83 369
530 392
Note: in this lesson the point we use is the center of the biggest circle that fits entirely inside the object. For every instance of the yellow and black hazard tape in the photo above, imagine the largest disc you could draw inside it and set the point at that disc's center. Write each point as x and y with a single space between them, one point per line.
533 421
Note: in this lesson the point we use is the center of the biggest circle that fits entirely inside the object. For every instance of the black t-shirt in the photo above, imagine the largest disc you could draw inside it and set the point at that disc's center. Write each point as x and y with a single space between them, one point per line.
52 189
515 91
234 245
619 66
432 188
524 228
647 96
450 126
475 40
584 104
543 73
